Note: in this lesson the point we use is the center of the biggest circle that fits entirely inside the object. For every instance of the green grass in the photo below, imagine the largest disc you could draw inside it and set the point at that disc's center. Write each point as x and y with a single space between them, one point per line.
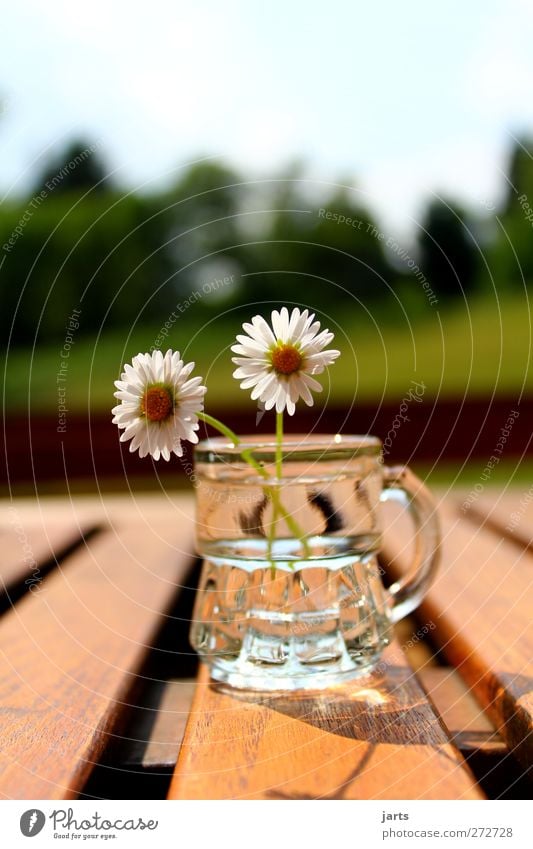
513 473
483 349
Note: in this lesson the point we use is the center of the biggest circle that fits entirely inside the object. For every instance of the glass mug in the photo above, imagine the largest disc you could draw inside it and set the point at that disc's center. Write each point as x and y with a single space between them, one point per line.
290 595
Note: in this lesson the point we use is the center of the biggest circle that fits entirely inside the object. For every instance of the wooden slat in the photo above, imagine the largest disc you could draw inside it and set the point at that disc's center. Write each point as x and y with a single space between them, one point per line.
372 739
510 515
70 655
481 604
468 725
28 547
157 725
156 729
418 652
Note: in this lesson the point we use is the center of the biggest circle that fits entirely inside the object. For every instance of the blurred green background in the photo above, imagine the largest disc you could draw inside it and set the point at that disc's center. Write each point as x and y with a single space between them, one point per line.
184 267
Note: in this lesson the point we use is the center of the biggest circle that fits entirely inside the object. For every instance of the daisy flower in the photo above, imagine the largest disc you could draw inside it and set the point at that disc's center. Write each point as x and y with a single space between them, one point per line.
277 361
159 404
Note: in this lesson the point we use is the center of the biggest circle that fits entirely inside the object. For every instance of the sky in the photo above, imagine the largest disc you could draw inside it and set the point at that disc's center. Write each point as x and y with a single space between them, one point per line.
398 100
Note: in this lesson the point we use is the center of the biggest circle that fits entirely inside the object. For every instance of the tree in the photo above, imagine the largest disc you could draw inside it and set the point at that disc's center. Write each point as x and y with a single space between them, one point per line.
511 256
519 172
77 168
448 255
329 251
199 223
99 253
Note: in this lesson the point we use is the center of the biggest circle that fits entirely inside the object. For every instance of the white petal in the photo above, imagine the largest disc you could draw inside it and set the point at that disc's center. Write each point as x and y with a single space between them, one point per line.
125 418
280 324
270 391
294 321
255 369
250 361
159 439
293 389
192 385
291 407
185 371
316 363
260 331
262 386
177 448
131 376
301 327
126 397
136 390
158 365
247 371
304 391
321 340
249 382
268 382
249 347
311 383
142 364
281 399
139 439
311 342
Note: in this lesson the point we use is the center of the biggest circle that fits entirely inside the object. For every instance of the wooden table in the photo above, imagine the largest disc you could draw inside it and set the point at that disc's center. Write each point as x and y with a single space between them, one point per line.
101 695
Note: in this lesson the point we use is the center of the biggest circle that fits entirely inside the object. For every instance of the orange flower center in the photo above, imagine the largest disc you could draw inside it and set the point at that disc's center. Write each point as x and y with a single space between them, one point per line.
157 403
286 359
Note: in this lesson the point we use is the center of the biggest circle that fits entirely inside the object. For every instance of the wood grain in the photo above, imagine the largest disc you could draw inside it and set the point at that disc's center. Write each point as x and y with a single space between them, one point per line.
377 738
157 726
509 515
469 727
29 547
481 605
71 653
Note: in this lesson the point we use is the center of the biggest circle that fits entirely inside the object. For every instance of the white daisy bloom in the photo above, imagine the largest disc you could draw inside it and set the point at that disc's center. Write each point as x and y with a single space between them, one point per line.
158 404
277 362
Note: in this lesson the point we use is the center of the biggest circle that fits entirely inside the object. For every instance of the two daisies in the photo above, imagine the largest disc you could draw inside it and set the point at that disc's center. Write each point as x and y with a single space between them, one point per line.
161 404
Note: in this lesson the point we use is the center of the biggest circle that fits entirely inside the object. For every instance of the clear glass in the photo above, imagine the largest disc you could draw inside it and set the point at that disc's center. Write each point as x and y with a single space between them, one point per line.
290 595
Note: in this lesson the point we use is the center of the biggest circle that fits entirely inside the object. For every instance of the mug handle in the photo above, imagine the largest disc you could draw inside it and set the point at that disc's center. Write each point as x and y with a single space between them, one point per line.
400 484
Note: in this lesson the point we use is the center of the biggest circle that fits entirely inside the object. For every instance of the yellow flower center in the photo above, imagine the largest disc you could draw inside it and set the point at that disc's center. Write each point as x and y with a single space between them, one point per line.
157 403
286 359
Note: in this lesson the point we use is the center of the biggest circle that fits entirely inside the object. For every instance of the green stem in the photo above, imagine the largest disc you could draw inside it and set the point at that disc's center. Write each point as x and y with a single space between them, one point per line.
274 494
292 524
279 445
248 457
220 426
271 536
246 454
